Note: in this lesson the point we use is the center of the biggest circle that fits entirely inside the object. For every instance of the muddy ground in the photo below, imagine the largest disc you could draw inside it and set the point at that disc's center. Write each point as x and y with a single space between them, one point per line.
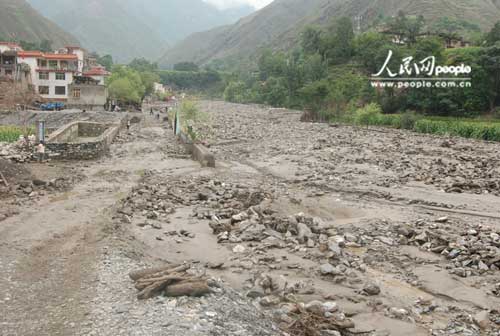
394 231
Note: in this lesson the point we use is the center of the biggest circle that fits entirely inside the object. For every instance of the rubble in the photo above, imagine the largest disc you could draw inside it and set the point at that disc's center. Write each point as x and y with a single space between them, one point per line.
317 231
470 252
17 151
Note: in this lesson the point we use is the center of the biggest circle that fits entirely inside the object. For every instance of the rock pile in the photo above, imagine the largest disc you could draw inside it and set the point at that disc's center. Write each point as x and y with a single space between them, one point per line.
38 187
318 319
471 252
16 152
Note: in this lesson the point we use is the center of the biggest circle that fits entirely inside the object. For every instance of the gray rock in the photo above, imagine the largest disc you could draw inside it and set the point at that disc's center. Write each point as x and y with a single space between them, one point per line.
326 269
315 307
482 319
371 289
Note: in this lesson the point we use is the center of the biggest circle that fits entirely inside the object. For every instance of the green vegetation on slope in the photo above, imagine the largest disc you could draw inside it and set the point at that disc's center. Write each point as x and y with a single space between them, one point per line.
279 25
20 22
330 74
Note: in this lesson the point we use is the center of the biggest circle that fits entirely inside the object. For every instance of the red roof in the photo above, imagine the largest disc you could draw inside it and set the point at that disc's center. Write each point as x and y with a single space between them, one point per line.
60 56
24 54
97 71
49 56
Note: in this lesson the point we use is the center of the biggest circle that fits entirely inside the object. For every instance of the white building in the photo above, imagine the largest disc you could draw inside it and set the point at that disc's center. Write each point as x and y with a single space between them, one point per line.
159 88
80 54
51 73
9 46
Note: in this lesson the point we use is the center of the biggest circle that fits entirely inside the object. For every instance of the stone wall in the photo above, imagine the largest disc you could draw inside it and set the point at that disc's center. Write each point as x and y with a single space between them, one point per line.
66 134
64 144
91 130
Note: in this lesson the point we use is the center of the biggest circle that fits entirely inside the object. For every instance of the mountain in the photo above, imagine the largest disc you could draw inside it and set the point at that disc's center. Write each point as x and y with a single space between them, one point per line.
104 26
19 21
127 29
279 24
177 19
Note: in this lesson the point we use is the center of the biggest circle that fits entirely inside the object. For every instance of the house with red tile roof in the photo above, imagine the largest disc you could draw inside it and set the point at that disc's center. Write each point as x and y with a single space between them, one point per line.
64 75
51 73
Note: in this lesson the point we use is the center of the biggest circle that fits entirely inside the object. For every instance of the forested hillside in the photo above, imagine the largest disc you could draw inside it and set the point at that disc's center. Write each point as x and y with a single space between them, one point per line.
279 25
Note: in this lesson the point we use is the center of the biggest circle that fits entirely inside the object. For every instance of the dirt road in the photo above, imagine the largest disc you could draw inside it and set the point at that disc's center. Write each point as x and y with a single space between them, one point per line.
399 230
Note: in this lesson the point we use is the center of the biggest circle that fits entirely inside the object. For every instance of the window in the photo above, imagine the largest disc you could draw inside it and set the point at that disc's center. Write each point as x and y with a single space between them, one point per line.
42 63
76 93
60 90
43 90
43 75
64 64
53 64
60 76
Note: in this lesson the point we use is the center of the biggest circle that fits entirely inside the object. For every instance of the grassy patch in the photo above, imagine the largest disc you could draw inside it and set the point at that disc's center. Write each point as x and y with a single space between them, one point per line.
467 128
12 133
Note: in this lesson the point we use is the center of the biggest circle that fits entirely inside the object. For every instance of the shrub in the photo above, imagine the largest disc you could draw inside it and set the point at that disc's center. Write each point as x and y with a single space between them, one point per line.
408 120
368 115
191 119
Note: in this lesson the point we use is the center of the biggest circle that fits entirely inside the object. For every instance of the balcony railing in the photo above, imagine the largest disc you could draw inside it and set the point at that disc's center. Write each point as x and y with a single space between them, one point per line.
8 66
58 68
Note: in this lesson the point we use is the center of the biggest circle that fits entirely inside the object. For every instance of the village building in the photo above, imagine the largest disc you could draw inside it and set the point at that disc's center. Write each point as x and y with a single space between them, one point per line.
51 73
80 54
87 93
66 75
159 88
97 72
16 87
10 69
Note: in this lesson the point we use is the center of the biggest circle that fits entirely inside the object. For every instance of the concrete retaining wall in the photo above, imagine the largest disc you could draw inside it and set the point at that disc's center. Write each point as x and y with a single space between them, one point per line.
203 155
198 152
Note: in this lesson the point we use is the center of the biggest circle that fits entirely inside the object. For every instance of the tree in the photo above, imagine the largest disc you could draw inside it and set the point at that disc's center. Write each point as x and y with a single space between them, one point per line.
455 26
338 43
431 46
123 90
126 85
186 66
311 40
143 65
314 94
275 92
491 64
407 28
106 61
314 68
46 46
148 79
235 92
371 50
494 35
271 64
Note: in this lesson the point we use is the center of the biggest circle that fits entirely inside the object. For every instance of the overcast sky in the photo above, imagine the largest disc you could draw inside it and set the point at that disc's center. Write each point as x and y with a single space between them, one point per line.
232 3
